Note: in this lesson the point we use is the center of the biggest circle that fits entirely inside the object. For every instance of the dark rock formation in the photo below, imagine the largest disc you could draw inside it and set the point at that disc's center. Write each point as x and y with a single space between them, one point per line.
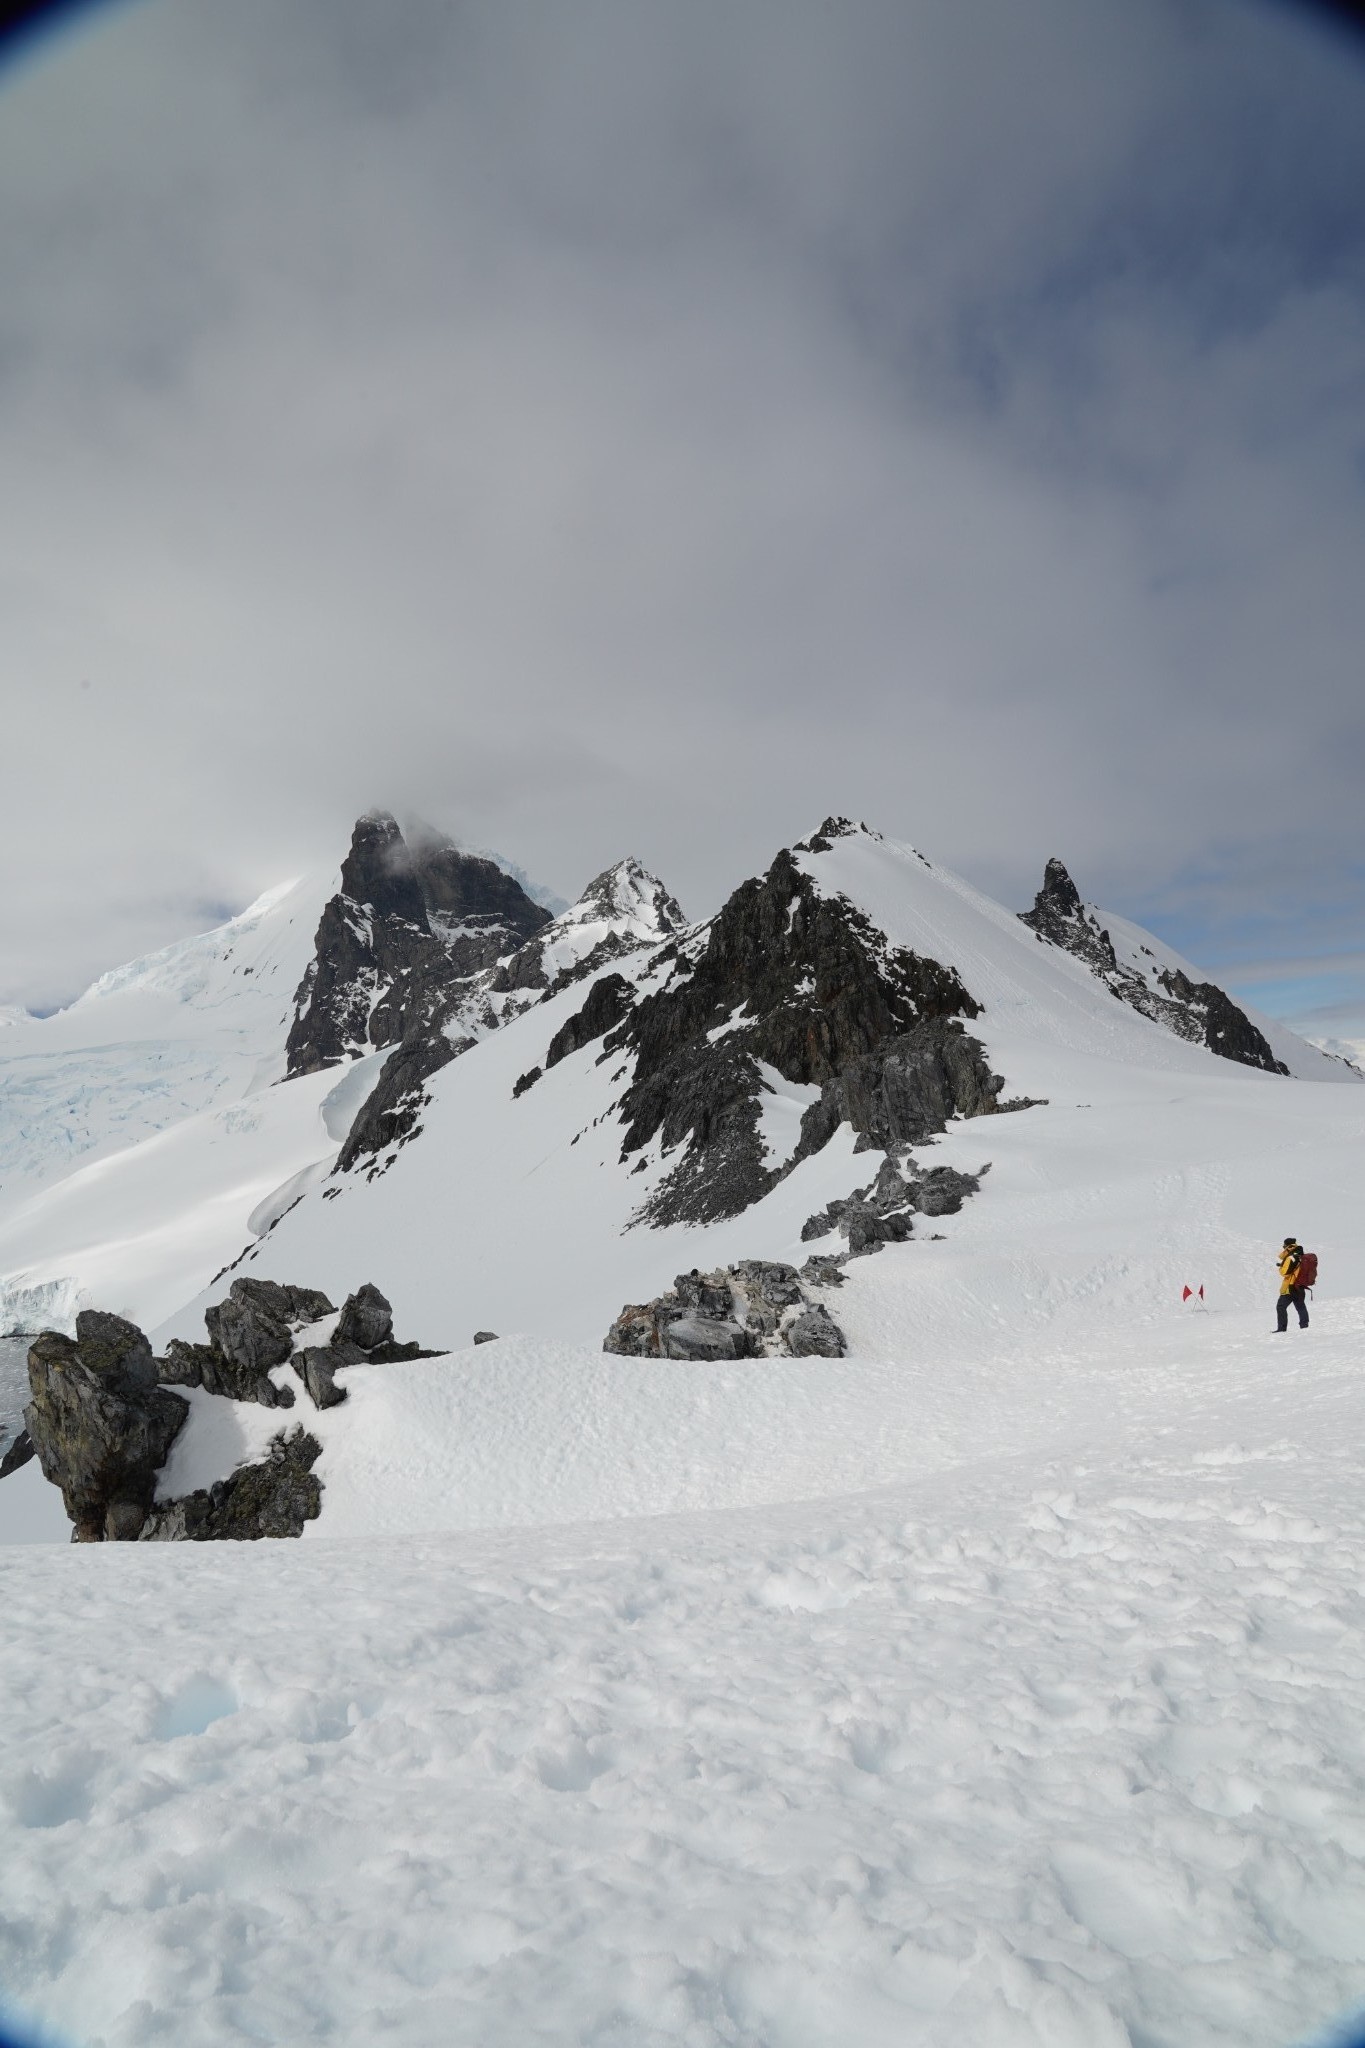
317 1367
410 926
100 1425
273 1498
204 1365
1059 915
102 1418
391 1115
366 1319
609 1000
485 1336
883 1212
525 1081
755 1309
783 975
1195 1010
19 1453
249 1334
437 1011
905 1090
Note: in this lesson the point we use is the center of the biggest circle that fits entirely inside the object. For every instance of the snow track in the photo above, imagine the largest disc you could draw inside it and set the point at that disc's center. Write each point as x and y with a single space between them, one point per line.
1063 1753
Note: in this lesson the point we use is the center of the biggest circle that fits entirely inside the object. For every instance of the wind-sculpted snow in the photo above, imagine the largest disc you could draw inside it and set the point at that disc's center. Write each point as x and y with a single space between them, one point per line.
1062 1753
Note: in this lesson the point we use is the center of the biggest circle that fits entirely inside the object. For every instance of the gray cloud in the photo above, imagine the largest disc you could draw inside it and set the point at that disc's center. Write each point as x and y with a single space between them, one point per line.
649 427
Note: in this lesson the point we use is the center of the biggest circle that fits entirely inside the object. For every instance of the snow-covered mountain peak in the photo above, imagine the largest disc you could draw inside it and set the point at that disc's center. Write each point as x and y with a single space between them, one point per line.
628 897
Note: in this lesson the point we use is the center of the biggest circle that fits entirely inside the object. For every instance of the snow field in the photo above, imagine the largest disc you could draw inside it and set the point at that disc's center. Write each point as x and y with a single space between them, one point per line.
1063 1751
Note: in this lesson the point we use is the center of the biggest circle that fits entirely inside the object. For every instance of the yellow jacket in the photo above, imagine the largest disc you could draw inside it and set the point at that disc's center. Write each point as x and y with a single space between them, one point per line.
1288 1263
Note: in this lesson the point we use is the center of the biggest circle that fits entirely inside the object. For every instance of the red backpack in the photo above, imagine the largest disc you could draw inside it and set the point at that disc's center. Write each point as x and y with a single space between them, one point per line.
1306 1273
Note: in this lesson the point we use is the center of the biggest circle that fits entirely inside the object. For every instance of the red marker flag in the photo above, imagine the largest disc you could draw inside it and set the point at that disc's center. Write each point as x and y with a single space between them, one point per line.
1185 1293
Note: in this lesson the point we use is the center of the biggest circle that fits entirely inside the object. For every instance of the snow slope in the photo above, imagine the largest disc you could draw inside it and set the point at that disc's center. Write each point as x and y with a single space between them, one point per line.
1059 1750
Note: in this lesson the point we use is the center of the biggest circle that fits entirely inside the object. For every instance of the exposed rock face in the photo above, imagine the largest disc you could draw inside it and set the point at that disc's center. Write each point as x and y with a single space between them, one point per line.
444 1012
609 1000
273 1498
410 925
100 1425
804 982
1195 1010
906 1090
755 1309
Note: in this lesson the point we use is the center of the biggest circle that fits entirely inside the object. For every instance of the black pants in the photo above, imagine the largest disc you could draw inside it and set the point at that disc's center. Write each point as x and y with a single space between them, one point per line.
1295 1295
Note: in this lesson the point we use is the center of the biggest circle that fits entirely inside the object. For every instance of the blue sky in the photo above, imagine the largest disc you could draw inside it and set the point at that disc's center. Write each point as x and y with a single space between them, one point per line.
644 428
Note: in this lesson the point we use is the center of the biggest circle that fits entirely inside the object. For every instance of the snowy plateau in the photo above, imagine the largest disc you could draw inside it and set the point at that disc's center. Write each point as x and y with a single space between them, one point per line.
999 1683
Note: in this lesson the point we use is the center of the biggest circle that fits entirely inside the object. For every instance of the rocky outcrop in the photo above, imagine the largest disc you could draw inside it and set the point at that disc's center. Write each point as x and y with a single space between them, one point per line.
273 1498
250 1333
803 982
1195 1010
755 1309
100 1424
906 1090
609 1000
884 1211
103 1414
1059 915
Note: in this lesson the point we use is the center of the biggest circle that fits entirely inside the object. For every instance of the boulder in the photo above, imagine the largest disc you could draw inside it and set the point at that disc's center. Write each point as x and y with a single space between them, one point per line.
756 1308
317 1366
100 1425
366 1319
693 1336
485 1336
245 1332
815 1334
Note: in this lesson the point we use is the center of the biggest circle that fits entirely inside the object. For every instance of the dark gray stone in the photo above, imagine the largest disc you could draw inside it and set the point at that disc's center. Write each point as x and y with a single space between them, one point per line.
317 1366
201 1365
245 1334
366 1319
485 1336
100 1425
814 1334
19 1453
695 1336
609 1000
749 1310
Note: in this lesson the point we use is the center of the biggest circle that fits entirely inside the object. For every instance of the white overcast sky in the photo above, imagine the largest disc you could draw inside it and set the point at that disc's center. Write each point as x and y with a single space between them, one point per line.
629 427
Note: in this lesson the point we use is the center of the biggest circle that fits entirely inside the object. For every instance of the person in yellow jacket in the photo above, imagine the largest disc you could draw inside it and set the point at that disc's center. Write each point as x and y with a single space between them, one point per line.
1291 1254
